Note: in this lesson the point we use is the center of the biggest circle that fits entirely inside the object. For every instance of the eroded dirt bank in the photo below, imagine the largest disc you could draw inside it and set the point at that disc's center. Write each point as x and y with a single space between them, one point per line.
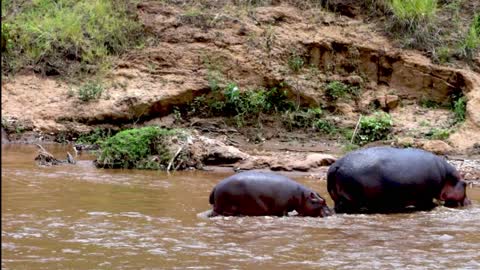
254 48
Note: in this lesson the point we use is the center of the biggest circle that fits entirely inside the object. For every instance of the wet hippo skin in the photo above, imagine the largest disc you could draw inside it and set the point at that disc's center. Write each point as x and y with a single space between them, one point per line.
387 179
262 194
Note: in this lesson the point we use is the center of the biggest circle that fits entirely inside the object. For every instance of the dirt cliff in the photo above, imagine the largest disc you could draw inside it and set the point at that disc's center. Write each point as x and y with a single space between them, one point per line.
254 47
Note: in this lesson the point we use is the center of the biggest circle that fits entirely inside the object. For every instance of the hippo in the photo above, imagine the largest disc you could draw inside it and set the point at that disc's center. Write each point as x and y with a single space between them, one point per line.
265 194
387 179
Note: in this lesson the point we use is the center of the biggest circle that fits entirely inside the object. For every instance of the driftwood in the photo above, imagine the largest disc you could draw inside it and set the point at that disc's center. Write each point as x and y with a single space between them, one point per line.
44 158
174 157
356 128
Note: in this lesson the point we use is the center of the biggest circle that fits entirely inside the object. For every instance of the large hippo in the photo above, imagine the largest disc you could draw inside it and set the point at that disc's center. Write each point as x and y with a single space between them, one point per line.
387 179
265 194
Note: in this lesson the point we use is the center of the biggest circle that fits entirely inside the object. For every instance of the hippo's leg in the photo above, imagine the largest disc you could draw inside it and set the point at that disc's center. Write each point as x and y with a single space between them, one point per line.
344 206
426 205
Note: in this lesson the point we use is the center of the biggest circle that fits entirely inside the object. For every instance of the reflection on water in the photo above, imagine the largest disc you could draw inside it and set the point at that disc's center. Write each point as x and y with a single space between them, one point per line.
80 217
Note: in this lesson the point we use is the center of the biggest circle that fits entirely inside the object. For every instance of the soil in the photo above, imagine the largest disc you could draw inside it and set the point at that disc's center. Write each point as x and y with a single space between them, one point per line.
191 46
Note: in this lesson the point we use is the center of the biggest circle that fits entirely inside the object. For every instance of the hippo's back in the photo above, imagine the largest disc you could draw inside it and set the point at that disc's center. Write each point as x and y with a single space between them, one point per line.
254 193
393 164
385 177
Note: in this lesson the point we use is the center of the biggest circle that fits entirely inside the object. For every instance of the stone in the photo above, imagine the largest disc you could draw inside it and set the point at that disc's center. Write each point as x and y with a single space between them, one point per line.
405 142
435 146
391 101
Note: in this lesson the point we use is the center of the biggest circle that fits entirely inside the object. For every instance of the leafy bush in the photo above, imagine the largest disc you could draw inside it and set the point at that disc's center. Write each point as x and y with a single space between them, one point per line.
471 42
45 32
427 103
305 118
241 105
413 20
144 148
97 136
337 90
439 134
90 91
295 62
325 126
412 12
460 108
374 128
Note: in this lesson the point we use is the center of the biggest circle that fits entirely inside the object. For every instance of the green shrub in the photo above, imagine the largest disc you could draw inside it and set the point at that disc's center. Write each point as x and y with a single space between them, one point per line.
304 118
460 108
325 126
90 91
336 90
413 22
241 105
295 62
374 128
430 104
438 134
144 148
96 136
469 46
350 147
411 13
58 32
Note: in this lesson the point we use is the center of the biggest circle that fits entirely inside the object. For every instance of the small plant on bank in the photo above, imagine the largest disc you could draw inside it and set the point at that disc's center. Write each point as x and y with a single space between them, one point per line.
324 126
471 43
97 136
428 103
295 62
438 134
90 91
413 21
143 148
459 109
337 90
304 118
374 128
241 106
72 35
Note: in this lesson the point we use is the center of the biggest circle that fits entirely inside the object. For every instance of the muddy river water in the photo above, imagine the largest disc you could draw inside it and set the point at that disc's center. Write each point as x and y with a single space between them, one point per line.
80 217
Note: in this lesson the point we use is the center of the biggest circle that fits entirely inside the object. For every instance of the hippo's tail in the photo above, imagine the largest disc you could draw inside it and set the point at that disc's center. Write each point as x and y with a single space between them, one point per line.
211 199
331 180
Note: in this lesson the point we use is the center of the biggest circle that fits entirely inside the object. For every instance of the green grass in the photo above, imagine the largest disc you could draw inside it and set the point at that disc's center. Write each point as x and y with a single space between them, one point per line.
337 90
413 12
374 128
296 62
471 43
142 148
63 31
90 91
430 104
439 134
460 109
413 22
97 136
241 106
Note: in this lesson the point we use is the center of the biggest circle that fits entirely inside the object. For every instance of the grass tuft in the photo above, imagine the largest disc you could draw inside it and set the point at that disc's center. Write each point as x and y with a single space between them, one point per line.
49 34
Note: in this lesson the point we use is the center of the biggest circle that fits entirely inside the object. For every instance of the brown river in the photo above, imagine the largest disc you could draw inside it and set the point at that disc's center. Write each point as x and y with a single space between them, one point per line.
80 217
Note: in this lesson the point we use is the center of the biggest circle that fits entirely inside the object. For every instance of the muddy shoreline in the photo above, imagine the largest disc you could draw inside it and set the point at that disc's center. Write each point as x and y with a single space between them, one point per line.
292 159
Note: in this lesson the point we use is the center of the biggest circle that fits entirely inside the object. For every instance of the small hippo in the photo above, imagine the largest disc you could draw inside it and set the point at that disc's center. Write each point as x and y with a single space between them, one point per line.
387 179
265 194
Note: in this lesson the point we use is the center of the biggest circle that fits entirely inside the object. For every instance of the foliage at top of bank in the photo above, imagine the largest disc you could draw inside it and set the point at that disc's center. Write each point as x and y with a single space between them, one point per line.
65 36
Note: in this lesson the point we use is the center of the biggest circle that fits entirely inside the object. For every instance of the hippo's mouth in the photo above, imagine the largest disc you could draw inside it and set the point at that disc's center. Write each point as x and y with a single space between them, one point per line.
325 211
452 203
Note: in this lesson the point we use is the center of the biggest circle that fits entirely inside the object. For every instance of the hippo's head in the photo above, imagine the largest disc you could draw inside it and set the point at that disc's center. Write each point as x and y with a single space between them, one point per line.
454 191
313 205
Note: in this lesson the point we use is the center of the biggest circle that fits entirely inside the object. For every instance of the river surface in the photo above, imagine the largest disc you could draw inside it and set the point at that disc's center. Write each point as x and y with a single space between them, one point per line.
80 217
